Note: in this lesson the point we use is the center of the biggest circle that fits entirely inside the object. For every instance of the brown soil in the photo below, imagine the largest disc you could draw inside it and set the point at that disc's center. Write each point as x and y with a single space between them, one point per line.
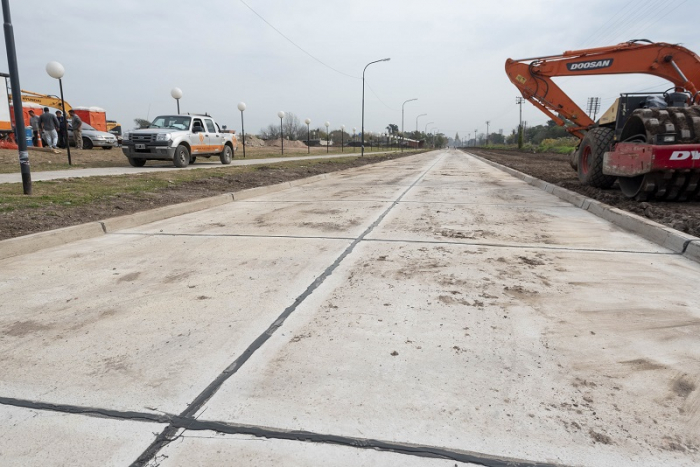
27 221
555 168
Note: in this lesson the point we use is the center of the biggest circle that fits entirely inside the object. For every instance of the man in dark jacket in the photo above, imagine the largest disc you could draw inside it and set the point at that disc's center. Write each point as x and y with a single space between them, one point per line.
62 130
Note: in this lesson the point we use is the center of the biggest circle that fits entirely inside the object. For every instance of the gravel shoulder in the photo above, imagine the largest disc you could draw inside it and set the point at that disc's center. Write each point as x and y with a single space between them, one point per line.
555 168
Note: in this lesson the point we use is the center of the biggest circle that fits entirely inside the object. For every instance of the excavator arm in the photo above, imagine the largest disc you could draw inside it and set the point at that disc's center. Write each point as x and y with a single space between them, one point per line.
44 100
533 76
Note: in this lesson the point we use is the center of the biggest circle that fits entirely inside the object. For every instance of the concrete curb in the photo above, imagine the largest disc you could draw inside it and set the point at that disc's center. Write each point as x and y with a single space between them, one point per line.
38 241
676 241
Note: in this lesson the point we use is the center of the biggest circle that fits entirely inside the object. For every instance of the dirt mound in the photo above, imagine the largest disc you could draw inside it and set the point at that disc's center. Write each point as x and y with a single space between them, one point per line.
252 141
287 143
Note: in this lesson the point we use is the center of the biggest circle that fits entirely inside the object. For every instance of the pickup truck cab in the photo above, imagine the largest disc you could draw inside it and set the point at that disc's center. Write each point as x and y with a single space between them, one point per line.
178 138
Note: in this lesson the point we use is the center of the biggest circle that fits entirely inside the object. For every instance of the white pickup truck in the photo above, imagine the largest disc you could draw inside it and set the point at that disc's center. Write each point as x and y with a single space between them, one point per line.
178 138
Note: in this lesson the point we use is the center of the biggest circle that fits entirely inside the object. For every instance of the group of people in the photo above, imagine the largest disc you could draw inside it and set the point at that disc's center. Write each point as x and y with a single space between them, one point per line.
53 129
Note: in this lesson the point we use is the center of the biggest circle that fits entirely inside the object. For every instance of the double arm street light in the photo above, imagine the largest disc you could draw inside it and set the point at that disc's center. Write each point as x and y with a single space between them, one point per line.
328 136
363 101
308 135
176 93
402 135
56 70
241 107
280 114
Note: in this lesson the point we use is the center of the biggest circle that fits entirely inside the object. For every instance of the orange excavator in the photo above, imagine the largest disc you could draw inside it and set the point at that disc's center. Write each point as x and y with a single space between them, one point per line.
648 142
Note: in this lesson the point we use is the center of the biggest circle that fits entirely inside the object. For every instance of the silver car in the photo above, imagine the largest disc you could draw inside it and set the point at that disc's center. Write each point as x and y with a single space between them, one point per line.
93 138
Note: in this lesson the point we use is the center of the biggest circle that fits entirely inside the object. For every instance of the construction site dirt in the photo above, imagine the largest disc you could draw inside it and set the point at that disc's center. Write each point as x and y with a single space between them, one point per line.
555 168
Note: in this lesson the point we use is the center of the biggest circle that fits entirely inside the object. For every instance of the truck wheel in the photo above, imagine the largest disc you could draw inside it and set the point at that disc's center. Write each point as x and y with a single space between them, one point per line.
106 148
182 156
87 143
590 158
192 159
226 155
137 162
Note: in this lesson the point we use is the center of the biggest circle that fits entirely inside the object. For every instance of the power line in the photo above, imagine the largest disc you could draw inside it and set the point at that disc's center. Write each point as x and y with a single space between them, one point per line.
602 28
295 44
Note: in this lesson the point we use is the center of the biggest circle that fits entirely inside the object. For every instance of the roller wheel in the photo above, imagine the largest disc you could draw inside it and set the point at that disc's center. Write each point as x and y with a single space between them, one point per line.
182 156
590 158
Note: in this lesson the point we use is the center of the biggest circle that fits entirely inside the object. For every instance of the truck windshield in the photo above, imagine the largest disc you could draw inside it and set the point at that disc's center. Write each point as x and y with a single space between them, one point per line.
177 122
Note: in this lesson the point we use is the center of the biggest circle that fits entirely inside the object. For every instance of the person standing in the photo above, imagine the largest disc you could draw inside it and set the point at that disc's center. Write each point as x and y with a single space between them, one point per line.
62 129
49 124
34 123
77 125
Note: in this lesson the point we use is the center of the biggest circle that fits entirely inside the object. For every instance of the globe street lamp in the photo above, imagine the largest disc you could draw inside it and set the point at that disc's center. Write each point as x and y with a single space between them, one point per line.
56 70
328 136
176 93
308 135
241 107
342 136
280 114
402 135
363 101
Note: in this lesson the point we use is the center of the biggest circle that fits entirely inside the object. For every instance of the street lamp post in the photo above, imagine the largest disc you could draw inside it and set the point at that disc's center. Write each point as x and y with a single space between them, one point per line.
363 101
402 134
342 138
328 136
354 139
308 135
56 70
421 115
23 153
280 114
241 107
176 93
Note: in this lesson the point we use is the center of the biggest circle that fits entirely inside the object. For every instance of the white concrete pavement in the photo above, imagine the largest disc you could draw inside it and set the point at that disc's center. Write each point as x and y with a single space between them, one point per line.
158 166
428 306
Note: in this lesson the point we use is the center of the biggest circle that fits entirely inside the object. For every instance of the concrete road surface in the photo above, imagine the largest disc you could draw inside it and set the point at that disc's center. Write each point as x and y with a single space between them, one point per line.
430 310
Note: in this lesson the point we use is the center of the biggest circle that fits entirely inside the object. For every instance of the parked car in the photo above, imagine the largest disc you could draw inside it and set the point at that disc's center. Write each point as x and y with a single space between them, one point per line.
93 138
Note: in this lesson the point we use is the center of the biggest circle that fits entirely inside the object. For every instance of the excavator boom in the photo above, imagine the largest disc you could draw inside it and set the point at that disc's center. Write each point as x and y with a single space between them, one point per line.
533 76
44 100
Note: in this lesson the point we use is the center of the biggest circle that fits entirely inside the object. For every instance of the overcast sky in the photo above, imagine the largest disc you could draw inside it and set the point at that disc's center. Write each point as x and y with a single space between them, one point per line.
126 55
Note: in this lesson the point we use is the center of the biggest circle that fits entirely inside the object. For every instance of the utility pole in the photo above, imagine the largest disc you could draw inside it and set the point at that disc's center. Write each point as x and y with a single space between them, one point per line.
20 128
593 106
475 136
519 101
487 132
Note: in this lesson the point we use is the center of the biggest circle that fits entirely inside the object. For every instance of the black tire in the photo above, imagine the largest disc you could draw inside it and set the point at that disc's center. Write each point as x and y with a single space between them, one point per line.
192 159
106 148
573 159
590 158
182 156
137 162
87 143
226 155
